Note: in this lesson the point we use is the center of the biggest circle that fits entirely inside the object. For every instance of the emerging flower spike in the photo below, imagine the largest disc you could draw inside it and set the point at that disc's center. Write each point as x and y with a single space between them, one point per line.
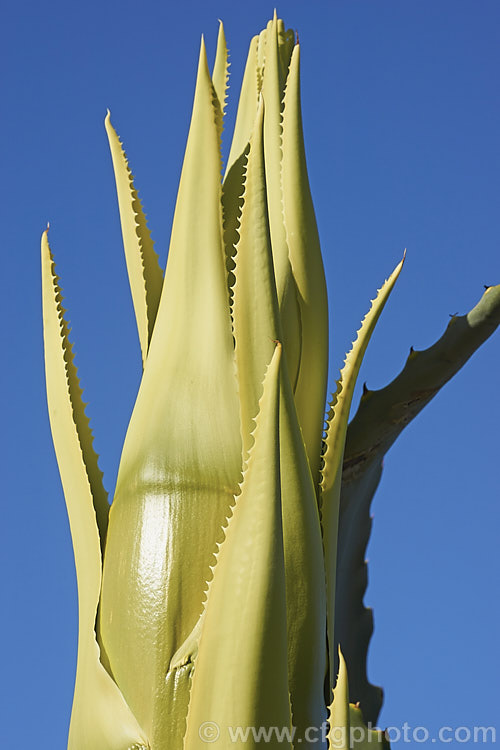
215 591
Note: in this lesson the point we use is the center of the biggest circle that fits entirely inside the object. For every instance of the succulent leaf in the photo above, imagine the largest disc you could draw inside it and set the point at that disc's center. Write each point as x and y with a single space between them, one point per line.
220 73
181 461
247 107
245 613
216 592
347 728
256 334
101 719
305 573
255 337
381 417
144 272
383 414
277 54
331 473
307 269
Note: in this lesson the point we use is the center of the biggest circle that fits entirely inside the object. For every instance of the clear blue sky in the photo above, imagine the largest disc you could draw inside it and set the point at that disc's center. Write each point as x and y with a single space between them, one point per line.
401 117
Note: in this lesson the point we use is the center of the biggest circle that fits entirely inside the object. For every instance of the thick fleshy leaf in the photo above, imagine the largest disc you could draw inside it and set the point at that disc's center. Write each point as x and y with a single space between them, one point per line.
331 473
307 269
144 272
381 417
233 185
305 573
181 462
255 336
347 729
240 677
256 326
273 85
265 73
101 719
277 53
247 106
220 75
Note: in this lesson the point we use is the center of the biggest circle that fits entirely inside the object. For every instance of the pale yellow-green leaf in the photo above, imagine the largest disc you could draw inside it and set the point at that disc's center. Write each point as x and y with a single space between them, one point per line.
240 676
272 91
276 59
181 461
254 333
305 573
255 340
144 272
220 73
265 73
331 474
307 268
253 82
233 183
101 719
247 107
347 729
286 42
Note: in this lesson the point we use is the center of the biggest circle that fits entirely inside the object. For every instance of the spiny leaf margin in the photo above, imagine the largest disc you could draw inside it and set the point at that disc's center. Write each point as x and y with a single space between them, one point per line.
144 272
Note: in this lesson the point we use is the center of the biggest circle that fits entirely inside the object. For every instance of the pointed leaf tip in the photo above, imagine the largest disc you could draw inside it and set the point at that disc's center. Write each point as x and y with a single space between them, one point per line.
245 612
331 473
145 274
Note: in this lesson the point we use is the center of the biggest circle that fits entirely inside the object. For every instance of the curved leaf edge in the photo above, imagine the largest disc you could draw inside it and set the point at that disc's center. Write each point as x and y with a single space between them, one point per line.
144 271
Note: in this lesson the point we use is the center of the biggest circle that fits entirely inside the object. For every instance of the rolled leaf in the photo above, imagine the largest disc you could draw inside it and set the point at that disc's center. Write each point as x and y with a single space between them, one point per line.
265 74
307 269
255 337
277 53
255 333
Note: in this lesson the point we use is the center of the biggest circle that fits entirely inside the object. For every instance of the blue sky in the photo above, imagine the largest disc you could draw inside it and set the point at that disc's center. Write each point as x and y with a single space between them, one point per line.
401 119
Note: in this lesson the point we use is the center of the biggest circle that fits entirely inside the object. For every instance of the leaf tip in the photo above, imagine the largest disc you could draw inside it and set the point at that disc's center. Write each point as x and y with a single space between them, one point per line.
45 240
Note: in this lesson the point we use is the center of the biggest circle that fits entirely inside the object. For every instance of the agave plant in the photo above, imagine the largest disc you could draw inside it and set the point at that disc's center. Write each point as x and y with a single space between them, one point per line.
223 587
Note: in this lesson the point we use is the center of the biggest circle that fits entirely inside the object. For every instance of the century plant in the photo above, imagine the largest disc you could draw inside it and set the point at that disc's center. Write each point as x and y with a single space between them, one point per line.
224 585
